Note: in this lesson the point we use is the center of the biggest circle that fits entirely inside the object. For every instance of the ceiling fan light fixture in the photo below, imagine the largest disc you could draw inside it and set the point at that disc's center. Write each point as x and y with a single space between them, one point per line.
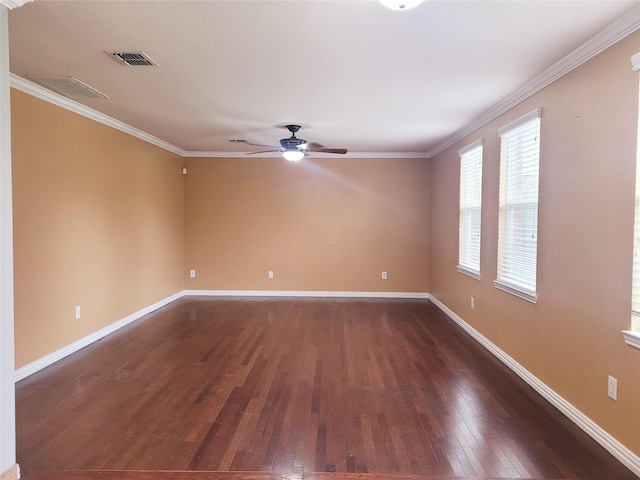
293 155
401 4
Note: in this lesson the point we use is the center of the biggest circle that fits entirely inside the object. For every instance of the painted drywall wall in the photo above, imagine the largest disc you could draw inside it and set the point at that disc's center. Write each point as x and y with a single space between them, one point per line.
98 223
571 338
323 224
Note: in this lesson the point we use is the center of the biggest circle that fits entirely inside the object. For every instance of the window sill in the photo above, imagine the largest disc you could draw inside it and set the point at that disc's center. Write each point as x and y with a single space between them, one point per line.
631 338
467 271
516 290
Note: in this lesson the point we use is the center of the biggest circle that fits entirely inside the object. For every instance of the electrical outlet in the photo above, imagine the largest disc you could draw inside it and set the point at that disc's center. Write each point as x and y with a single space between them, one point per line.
192 273
612 389
473 303
384 275
78 312
270 273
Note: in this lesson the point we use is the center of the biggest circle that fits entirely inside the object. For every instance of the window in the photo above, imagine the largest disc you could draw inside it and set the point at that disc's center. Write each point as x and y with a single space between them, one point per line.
470 209
518 206
632 337
635 295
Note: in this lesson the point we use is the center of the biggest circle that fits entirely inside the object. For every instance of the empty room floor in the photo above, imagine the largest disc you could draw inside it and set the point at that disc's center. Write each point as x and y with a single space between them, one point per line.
294 388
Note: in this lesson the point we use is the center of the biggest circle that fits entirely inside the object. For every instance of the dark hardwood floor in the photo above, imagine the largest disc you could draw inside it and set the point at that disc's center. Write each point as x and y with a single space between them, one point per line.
293 388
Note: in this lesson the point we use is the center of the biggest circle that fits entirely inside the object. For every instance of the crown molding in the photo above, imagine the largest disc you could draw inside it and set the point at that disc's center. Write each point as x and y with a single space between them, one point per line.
615 32
47 95
394 155
624 26
380 155
10 4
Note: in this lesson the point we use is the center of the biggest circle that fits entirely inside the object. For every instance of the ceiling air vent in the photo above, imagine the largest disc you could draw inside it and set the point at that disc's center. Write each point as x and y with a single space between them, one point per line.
134 59
68 86
237 140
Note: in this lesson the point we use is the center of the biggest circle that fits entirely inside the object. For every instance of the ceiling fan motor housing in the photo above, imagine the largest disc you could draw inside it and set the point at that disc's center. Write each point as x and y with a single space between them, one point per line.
296 146
291 143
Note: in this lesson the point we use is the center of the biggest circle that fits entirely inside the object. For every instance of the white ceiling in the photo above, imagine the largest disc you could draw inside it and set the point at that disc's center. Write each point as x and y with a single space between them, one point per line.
360 76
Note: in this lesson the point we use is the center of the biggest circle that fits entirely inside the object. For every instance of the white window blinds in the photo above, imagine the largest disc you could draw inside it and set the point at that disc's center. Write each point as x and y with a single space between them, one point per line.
632 336
518 206
635 296
470 209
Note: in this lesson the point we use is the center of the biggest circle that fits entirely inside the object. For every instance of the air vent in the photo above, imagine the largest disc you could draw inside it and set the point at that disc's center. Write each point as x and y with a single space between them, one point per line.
134 59
68 86
237 140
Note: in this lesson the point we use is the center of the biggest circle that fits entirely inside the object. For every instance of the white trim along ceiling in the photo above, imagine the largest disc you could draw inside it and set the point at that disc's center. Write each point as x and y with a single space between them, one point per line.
326 103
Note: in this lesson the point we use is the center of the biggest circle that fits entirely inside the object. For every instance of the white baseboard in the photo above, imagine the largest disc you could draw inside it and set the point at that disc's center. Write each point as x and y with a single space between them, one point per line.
12 473
613 446
297 293
47 360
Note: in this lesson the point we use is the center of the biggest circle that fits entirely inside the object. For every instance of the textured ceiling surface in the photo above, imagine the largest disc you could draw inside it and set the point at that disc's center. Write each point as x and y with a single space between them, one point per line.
355 74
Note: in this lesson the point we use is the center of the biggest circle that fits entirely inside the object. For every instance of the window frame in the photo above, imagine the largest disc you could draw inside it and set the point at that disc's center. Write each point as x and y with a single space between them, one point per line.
632 336
469 252
514 273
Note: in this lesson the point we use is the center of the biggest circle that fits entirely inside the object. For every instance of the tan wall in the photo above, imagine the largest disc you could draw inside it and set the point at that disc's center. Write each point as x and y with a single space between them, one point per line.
320 224
104 221
571 339
98 222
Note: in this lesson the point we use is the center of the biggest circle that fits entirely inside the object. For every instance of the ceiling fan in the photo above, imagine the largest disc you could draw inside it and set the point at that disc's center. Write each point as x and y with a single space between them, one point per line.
294 148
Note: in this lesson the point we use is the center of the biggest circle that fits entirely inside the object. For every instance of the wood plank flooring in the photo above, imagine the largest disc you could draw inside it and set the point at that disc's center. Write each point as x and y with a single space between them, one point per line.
178 475
293 388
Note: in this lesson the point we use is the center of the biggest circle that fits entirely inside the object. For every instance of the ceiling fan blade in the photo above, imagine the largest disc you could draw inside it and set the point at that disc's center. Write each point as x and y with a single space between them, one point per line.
260 145
341 151
263 151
